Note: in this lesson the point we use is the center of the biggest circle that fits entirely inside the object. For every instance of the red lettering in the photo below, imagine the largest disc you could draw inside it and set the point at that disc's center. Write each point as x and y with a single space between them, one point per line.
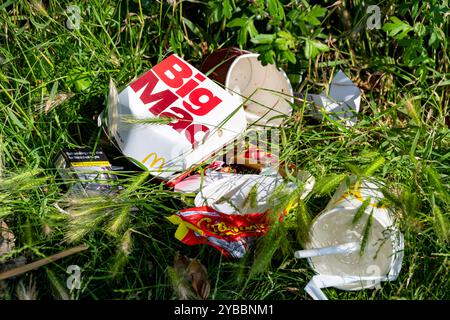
188 87
192 130
200 77
164 98
183 119
204 107
172 71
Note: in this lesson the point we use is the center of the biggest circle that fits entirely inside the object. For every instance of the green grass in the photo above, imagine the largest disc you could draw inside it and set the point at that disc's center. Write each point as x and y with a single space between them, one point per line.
404 120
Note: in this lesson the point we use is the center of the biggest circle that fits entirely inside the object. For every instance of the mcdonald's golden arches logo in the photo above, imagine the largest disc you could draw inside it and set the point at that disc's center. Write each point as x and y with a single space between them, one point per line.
156 160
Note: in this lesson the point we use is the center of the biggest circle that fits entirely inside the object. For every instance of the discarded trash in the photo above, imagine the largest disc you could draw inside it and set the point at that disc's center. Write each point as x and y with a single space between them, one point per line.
193 183
88 172
242 194
267 88
339 249
6 239
174 117
257 160
342 102
171 118
231 208
229 233
350 249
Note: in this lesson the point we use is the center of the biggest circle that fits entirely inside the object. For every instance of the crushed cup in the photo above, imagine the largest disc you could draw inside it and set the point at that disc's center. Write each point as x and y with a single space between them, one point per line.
336 250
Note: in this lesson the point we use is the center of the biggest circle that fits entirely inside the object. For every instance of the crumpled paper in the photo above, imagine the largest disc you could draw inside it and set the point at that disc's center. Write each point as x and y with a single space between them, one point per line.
241 194
231 209
342 101
233 193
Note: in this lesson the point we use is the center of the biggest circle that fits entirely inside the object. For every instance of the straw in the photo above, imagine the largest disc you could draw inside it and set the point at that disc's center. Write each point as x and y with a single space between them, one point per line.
339 249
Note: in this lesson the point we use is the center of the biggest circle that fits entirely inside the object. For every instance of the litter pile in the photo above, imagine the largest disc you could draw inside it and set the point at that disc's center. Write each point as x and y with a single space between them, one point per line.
175 118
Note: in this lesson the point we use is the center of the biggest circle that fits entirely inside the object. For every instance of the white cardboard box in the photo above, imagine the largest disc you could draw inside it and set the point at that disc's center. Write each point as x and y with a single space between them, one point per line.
208 118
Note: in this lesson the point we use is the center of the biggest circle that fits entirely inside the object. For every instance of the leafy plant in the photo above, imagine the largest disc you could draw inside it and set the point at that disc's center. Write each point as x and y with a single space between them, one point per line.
277 36
424 22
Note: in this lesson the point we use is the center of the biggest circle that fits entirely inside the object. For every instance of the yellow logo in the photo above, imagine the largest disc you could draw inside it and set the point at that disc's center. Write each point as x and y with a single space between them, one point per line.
156 159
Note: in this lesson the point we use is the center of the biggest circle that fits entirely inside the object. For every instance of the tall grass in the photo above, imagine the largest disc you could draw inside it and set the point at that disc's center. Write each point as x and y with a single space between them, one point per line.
53 84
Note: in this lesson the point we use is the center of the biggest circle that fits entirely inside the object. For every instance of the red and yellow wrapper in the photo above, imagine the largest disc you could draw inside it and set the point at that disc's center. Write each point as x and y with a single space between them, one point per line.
229 233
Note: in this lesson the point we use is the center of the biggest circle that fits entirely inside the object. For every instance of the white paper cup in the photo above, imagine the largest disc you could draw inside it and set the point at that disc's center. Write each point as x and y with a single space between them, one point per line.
383 253
265 90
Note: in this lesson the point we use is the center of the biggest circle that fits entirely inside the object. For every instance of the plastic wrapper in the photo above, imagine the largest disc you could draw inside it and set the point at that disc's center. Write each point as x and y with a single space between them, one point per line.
87 173
231 234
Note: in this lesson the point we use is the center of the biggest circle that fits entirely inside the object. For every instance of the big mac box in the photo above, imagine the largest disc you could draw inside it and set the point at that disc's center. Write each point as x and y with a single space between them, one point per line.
201 117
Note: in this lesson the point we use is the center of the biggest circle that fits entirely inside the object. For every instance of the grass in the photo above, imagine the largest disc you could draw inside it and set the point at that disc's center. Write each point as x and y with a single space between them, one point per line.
54 82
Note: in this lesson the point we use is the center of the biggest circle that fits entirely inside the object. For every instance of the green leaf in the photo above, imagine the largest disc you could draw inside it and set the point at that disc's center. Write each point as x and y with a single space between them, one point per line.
242 37
316 12
441 224
366 234
237 22
14 119
247 28
250 27
281 44
419 29
5 211
268 57
361 211
263 38
275 9
59 290
397 28
354 169
80 78
433 42
328 183
287 39
289 56
53 91
303 222
313 48
374 166
220 10
436 38
198 31
135 184
227 9
272 6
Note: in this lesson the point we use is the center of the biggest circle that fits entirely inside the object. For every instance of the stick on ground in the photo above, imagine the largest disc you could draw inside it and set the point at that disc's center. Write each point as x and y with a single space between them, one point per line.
42 262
